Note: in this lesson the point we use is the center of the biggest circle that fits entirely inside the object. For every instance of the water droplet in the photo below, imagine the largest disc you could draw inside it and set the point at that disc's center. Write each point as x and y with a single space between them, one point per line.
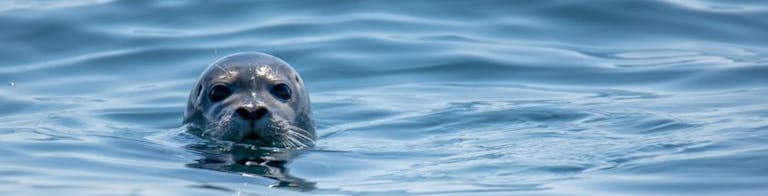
12 84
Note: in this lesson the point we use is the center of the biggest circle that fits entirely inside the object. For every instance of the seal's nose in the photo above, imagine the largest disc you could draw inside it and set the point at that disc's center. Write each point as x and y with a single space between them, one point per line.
251 113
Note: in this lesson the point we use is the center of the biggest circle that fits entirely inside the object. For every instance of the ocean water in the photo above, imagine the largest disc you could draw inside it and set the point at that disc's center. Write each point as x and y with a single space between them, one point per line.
409 97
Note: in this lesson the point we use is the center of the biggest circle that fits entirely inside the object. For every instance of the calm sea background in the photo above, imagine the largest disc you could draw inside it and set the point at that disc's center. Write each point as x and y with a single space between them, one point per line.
409 97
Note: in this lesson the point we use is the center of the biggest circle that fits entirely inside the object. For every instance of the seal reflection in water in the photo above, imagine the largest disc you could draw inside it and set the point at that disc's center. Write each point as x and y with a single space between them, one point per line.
247 160
254 109
251 98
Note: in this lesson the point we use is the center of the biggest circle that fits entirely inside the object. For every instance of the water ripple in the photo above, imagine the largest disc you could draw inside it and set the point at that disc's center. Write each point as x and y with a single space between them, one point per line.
481 97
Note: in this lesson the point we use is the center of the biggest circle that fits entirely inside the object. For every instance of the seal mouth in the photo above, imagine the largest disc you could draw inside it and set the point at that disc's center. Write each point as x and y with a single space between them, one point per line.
265 132
253 136
253 133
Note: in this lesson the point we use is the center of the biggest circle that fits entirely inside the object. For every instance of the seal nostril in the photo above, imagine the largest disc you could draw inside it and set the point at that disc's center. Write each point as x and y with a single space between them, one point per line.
259 113
244 113
255 115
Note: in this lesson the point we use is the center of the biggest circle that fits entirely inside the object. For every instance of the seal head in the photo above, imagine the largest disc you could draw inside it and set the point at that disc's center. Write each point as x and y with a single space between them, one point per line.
251 98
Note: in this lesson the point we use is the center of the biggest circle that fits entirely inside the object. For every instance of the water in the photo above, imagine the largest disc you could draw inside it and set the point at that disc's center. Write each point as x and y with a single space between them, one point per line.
418 97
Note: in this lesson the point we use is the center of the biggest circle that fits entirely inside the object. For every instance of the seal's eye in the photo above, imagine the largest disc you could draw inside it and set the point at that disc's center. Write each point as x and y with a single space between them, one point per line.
281 91
219 92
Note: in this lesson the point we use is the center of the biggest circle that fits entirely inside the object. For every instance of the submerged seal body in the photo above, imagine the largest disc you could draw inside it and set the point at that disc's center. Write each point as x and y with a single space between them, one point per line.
251 98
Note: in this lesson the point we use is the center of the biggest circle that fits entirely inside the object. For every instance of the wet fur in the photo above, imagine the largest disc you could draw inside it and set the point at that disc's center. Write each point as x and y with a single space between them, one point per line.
284 129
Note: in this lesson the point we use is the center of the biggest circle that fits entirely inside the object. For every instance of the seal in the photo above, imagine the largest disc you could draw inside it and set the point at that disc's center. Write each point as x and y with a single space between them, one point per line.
252 98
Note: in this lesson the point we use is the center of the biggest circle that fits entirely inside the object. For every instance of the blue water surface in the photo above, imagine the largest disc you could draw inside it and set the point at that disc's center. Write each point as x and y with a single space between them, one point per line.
409 97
